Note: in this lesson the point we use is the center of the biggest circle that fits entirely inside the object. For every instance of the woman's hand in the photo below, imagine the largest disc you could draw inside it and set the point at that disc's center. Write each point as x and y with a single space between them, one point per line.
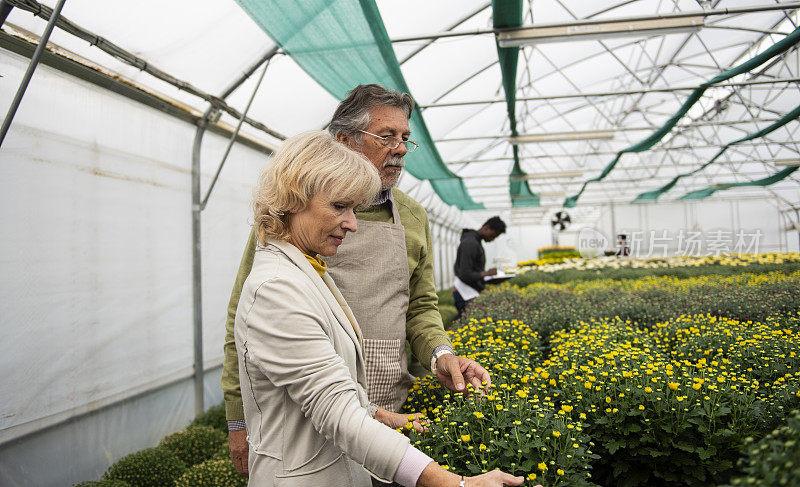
435 476
495 478
397 420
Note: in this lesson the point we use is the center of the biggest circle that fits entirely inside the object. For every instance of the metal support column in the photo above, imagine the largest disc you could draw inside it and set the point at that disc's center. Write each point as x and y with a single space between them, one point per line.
23 85
451 250
446 258
797 217
197 271
437 239
781 232
613 236
443 257
198 205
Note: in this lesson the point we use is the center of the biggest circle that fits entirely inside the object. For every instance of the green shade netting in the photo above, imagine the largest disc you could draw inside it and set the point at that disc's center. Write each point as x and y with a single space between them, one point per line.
705 193
508 13
343 43
774 50
654 195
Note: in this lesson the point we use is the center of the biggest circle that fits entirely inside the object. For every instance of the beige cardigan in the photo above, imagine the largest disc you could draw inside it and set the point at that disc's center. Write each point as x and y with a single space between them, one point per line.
303 381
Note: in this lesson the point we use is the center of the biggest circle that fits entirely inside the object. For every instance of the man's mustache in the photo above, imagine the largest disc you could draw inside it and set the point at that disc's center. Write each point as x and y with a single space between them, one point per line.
395 162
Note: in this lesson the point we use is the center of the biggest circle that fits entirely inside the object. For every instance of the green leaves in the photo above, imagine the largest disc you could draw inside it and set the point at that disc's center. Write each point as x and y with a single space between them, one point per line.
618 379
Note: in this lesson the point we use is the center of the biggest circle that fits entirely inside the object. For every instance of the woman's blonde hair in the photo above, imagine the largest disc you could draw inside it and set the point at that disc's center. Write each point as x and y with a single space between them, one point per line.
306 165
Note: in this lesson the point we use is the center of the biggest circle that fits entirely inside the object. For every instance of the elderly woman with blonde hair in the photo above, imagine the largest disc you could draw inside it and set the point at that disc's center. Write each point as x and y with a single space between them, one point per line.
301 361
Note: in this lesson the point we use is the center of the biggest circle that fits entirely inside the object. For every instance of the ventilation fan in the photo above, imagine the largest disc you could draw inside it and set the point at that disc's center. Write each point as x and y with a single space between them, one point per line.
560 221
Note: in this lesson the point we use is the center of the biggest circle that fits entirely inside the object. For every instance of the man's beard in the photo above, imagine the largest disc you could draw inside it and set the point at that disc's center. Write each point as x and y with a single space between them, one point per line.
392 181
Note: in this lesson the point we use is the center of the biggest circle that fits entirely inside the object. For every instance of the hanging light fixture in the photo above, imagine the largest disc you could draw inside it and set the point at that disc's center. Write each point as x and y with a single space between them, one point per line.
548 175
561 136
582 31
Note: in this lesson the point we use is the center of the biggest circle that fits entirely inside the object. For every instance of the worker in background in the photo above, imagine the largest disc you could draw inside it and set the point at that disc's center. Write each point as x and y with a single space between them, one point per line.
471 262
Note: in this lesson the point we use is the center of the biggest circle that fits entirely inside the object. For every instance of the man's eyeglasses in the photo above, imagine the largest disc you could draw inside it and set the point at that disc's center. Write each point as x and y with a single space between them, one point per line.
392 142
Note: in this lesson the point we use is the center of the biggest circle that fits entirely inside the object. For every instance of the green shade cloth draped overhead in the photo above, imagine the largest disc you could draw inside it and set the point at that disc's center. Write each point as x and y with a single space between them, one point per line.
508 13
705 193
343 43
654 195
774 50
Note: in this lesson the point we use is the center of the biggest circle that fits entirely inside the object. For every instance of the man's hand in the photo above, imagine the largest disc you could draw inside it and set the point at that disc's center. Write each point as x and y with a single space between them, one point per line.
237 443
453 371
490 272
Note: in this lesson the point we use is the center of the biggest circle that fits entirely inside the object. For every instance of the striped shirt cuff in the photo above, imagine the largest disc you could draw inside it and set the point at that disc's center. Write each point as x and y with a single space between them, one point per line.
236 425
411 467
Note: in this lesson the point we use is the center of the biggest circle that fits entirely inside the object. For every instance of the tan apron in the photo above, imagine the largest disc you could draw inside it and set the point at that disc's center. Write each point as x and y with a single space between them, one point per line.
371 271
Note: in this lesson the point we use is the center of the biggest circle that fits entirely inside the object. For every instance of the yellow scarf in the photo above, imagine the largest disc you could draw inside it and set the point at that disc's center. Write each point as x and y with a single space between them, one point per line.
318 264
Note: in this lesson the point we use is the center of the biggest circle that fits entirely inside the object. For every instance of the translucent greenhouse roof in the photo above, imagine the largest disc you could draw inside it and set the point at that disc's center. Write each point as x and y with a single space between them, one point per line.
582 101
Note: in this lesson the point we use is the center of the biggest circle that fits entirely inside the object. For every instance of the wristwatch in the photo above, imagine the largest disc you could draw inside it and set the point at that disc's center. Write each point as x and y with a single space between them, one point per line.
436 356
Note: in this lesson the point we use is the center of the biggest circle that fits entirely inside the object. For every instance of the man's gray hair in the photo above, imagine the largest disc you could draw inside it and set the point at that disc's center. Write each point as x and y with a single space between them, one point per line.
352 114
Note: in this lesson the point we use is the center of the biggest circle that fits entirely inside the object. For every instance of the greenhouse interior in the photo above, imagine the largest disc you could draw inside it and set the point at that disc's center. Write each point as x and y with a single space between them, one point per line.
635 319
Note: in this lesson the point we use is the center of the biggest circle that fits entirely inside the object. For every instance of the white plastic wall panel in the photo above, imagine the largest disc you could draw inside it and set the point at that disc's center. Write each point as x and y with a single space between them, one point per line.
84 448
96 209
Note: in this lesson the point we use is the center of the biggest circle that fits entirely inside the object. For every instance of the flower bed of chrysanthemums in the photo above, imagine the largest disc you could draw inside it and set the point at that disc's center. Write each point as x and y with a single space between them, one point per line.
655 381
551 307
551 255
612 262
632 268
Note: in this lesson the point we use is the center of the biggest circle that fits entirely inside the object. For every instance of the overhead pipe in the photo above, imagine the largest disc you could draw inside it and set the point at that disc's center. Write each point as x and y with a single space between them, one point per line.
129 58
583 22
233 138
595 94
5 9
452 26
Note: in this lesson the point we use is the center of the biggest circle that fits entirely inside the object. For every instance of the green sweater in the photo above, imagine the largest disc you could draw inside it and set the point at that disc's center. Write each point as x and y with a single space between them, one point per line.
424 329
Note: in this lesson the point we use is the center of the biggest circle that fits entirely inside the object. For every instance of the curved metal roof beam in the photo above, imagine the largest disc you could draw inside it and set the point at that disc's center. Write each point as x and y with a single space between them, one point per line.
681 64
763 38
607 49
679 14
461 83
453 26
715 137
684 65
745 29
578 61
609 9
747 177
465 120
249 71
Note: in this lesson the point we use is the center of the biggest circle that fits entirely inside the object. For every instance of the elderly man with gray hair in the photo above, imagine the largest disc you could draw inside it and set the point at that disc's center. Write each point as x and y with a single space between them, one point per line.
384 271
